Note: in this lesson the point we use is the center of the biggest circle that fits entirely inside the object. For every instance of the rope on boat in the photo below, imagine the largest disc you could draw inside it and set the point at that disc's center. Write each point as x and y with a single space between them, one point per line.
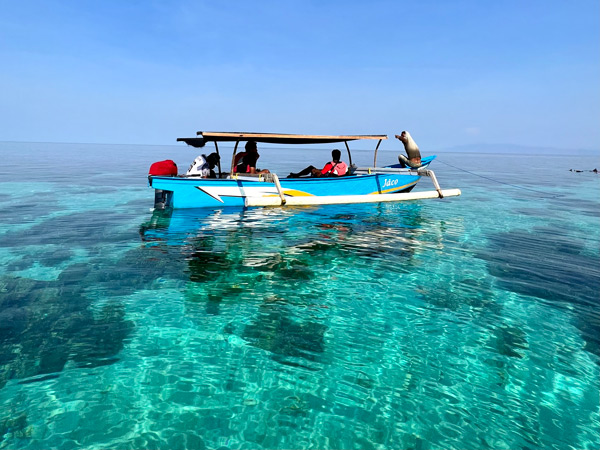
502 182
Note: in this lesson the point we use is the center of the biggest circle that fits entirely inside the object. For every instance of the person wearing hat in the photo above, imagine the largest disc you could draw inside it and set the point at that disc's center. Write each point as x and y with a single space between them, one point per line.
203 166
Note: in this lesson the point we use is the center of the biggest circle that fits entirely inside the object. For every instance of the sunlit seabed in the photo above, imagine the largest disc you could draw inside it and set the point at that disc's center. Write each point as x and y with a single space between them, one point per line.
467 323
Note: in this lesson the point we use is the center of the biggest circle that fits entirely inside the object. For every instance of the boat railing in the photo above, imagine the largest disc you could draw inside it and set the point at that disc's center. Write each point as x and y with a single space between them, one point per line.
373 170
266 177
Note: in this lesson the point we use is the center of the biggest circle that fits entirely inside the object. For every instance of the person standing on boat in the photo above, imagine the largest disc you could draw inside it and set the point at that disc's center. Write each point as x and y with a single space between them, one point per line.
203 166
412 150
245 162
334 168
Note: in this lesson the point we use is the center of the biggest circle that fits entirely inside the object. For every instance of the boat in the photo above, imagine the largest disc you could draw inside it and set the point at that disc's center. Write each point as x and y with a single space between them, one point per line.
359 185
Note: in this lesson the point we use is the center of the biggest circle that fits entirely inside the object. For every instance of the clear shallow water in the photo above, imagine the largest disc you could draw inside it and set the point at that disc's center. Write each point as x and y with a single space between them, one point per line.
467 323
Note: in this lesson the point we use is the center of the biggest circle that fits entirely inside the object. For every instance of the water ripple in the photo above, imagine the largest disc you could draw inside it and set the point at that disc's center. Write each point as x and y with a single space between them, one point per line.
458 324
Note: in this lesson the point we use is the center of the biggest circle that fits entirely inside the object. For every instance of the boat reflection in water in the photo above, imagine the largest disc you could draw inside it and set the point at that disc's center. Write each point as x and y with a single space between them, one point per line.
263 252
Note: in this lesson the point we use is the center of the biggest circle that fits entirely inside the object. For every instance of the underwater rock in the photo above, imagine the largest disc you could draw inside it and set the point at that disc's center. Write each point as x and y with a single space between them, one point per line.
465 292
15 426
550 266
273 331
206 266
84 229
296 273
511 341
23 263
55 256
50 323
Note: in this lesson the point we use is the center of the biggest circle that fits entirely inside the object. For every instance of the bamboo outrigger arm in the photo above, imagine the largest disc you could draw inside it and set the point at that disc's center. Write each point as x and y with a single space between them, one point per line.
431 174
278 186
281 200
422 172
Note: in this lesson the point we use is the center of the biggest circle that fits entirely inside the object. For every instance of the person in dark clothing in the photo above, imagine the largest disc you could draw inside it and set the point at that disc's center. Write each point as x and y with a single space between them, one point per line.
334 168
246 161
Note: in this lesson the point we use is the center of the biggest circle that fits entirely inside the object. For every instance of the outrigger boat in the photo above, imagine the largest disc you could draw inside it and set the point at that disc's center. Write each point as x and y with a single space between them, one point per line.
360 185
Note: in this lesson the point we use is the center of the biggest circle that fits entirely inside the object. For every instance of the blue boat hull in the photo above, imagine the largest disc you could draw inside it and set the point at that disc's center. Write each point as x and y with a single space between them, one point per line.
204 193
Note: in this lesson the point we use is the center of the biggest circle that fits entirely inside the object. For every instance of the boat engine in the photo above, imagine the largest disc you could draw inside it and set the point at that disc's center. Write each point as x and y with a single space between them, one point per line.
162 199
166 168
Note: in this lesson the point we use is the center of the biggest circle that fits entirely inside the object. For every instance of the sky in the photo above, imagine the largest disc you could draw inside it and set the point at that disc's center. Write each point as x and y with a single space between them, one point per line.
452 72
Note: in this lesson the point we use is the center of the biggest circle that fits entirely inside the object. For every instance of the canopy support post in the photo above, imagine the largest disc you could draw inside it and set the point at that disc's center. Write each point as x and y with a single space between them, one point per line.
349 155
219 161
233 157
375 156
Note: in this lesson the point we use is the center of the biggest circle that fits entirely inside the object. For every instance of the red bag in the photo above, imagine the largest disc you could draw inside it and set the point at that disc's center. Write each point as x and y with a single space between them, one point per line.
165 168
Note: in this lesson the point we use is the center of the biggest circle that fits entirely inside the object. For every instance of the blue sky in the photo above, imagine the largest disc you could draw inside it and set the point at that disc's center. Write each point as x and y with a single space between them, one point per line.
451 72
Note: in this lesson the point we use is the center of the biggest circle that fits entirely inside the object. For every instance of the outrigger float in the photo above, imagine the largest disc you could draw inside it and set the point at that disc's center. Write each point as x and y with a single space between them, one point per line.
361 185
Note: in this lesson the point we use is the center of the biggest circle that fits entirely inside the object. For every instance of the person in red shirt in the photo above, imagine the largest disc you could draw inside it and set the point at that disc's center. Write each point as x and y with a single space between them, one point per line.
245 162
334 168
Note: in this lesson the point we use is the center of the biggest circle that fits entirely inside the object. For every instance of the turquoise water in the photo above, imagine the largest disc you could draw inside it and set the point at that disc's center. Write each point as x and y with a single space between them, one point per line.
467 323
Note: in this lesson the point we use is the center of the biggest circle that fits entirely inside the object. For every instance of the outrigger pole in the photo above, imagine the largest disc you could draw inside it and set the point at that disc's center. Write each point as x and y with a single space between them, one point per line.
281 199
342 199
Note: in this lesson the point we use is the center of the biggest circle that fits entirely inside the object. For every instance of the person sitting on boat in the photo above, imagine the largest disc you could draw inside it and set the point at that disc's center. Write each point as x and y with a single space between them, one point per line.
334 168
203 166
412 150
245 162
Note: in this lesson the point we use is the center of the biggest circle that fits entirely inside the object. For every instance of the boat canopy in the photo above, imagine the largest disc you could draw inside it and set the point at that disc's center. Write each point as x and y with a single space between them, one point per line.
271 138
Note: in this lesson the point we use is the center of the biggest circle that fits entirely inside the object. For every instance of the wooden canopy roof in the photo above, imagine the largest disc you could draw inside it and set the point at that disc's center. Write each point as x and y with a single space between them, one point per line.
271 138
